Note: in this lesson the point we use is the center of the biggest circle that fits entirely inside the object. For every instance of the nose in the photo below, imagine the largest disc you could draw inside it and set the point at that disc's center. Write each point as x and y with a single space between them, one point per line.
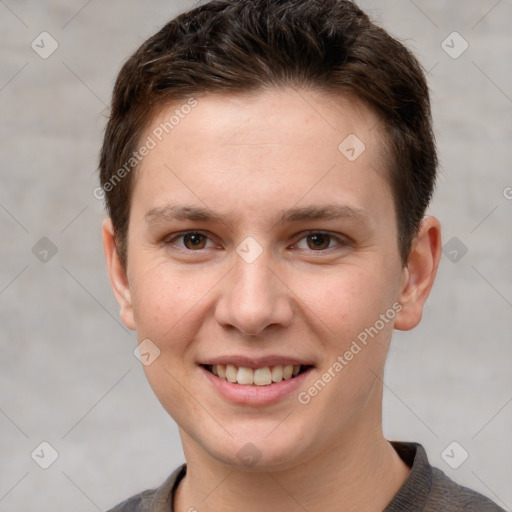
254 298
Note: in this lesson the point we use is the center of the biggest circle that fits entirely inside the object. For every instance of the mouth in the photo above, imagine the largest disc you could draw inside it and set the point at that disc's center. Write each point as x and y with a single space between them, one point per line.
260 376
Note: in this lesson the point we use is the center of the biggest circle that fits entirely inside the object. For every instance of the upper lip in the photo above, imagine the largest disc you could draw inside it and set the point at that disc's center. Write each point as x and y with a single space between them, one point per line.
256 362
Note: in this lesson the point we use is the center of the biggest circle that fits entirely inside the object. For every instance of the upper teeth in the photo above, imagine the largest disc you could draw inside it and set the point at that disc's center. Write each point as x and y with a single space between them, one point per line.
258 376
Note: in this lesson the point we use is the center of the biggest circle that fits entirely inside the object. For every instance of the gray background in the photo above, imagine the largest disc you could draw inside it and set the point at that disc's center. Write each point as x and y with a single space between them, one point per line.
68 375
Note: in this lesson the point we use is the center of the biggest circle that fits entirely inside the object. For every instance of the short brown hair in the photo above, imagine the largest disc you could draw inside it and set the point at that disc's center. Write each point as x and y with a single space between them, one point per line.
234 46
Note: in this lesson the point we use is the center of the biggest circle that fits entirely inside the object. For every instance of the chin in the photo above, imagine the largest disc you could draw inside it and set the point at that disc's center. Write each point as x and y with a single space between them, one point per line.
253 451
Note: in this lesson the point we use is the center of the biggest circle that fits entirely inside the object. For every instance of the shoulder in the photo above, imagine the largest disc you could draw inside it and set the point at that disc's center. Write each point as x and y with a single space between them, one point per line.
138 503
446 491
429 489
153 500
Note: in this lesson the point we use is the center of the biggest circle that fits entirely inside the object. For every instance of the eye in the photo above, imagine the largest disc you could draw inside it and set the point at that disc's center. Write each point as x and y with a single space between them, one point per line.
192 240
319 241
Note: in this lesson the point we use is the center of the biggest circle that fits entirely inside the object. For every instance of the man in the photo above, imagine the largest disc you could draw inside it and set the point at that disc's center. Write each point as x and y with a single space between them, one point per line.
267 167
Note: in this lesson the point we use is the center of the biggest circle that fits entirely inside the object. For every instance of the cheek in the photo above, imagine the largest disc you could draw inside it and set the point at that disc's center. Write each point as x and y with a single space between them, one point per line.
164 300
171 307
356 314
355 337
347 301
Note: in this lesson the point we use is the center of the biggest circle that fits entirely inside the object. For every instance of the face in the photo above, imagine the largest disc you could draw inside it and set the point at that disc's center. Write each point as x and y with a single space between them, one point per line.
261 245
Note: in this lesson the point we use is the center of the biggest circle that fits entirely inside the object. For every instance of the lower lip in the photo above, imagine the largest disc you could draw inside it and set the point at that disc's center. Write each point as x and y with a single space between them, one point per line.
252 394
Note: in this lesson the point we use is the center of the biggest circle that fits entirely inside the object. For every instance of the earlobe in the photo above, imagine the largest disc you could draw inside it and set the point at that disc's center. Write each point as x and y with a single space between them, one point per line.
419 273
117 274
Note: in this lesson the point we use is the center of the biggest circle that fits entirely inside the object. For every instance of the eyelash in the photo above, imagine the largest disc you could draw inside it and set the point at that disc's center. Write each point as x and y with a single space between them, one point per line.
340 241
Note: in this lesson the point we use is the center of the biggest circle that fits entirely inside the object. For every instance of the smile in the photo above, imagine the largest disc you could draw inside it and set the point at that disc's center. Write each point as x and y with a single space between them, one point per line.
263 376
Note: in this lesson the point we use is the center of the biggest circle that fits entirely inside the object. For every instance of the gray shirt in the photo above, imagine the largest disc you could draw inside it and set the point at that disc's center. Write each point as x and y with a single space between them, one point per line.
427 489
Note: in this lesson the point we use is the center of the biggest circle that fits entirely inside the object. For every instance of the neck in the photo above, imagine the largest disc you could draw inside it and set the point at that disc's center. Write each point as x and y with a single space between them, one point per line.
363 474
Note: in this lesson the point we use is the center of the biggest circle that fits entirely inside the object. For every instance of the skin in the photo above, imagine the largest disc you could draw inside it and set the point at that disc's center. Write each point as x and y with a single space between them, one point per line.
249 159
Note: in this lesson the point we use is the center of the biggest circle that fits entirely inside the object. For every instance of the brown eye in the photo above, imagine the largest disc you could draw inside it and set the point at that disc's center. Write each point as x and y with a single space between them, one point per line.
318 241
194 240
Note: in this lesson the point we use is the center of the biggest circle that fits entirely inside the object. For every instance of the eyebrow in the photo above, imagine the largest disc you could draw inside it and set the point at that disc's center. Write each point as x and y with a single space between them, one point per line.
307 213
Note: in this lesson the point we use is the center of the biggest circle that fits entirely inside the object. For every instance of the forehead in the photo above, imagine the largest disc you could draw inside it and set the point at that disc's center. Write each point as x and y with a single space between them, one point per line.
263 151
243 118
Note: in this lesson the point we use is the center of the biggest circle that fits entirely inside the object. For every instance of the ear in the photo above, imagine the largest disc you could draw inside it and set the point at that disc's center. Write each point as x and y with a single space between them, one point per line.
419 273
117 274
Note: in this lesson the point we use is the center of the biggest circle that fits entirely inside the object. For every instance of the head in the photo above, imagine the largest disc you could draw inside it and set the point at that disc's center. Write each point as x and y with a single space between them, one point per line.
292 142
